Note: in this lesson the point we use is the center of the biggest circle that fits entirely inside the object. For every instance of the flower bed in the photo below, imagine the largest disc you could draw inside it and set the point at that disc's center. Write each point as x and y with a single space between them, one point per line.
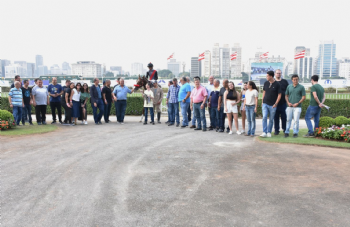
341 133
6 120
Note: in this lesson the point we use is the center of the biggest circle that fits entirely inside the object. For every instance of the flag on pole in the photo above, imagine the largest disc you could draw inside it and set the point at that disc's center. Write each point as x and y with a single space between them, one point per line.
201 56
233 56
171 56
300 54
264 55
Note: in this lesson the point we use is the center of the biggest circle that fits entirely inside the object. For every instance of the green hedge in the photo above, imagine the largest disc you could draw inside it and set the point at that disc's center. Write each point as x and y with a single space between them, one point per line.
134 106
338 107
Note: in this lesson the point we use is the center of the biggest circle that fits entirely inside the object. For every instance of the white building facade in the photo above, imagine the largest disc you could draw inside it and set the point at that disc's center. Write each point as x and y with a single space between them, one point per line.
55 70
137 69
206 64
236 64
15 69
87 69
174 67
215 60
344 70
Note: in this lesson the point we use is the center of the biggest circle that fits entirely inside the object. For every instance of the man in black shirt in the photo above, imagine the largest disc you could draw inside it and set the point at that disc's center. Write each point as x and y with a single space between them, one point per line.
271 97
107 100
27 101
282 105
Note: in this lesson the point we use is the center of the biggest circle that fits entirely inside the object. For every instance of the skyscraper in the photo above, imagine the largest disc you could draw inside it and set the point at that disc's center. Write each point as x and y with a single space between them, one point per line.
42 70
4 63
303 66
66 69
236 64
38 61
206 72
196 67
215 60
225 61
327 63
174 67
30 69
136 69
23 64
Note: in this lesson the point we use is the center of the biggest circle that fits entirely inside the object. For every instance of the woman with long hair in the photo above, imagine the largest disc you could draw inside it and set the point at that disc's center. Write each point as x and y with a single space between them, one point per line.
231 98
84 97
75 102
251 106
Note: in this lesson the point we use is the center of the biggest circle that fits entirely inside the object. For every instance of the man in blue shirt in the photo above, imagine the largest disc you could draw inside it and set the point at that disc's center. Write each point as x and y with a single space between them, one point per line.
120 95
96 101
55 91
173 103
184 100
16 101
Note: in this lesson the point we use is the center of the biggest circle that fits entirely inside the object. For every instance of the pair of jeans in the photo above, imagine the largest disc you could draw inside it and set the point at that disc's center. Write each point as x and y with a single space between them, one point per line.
174 113
250 113
67 113
268 111
280 111
189 112
54 106
17 114
27 111
200 115
100 106
222 117
184 111
107 108
120 107
293 113
146 113
193 118
315 112
214 117
40 112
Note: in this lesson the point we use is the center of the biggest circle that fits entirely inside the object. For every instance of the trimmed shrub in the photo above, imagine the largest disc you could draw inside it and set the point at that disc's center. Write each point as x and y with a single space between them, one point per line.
7 120
326 122
339 121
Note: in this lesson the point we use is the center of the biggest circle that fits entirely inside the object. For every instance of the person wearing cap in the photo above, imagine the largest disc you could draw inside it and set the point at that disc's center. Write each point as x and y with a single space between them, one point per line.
151 74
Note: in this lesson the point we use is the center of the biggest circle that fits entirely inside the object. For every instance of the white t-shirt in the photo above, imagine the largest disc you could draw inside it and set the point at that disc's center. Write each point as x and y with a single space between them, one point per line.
76 95
148 102
250 97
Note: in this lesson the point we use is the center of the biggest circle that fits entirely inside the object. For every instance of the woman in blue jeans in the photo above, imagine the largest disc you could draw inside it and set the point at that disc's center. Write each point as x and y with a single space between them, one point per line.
250 106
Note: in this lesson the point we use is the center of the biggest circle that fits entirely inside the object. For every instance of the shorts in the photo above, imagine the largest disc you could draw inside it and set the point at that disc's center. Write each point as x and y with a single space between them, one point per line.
230 108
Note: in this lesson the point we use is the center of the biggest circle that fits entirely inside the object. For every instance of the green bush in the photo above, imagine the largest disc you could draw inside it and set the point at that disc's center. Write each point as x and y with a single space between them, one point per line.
7 120
326 122
339 121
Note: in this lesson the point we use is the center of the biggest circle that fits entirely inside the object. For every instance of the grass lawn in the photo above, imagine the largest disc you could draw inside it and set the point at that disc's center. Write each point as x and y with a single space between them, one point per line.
28 130
306 141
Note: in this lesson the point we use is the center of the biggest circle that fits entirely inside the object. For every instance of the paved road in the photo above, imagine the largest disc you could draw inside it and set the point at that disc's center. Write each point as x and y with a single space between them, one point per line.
135 175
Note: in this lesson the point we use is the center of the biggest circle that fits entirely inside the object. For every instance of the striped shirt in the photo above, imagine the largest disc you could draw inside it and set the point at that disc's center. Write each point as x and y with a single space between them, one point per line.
16 96
173 94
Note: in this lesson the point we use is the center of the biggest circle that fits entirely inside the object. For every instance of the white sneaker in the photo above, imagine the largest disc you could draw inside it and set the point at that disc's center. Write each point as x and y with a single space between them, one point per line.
85 122
242 131
263 135
239 133
230 133
269 135
122 123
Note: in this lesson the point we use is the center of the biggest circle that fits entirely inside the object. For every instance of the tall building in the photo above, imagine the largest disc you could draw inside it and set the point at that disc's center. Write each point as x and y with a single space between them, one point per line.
116 70
174 67
38 61
327 63
136 69
42 70
30 69
23 64
66 69
55 70
87 69
236 64
225 61
289 69
344 70
303 66
196 67
4 63
215 61
15 69
206 63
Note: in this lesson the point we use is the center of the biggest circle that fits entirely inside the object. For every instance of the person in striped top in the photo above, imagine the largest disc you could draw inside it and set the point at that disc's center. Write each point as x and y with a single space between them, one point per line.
16 101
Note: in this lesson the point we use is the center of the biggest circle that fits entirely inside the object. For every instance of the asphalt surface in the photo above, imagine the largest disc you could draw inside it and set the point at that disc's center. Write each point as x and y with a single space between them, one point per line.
136 175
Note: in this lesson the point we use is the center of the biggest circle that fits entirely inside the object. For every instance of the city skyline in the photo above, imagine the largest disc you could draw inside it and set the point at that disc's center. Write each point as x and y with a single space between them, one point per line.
279 36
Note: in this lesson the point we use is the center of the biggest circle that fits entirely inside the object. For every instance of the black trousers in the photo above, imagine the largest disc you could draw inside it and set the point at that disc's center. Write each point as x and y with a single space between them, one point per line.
68 113
40 112
54 106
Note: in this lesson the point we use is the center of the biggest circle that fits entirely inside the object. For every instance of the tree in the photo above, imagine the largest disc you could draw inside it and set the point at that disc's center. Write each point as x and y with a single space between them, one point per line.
164 73
109 74
245 77
184 74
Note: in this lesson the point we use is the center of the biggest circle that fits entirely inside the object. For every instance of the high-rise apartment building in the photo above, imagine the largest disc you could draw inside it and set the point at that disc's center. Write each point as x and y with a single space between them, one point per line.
136 69
30 69
66 69
38 61
196 67
15 69
303 66
215 60
225 61
174 67
23 64
42 70
87 69
4 63
236 64
327 62
344 70
206 63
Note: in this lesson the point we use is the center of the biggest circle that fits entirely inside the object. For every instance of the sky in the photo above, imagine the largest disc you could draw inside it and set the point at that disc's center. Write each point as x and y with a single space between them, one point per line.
118 33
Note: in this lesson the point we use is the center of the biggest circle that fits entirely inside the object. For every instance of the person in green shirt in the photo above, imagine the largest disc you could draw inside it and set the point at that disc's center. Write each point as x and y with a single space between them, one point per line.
295 95
316 104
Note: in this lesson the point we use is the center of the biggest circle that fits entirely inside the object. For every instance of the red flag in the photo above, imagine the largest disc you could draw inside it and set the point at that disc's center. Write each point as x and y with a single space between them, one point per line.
201 56
264 55
300 54
233 56
171 56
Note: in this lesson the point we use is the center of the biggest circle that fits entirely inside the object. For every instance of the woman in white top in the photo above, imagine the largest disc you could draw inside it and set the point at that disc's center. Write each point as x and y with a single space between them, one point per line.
148 104
231 99
250 106
75 102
